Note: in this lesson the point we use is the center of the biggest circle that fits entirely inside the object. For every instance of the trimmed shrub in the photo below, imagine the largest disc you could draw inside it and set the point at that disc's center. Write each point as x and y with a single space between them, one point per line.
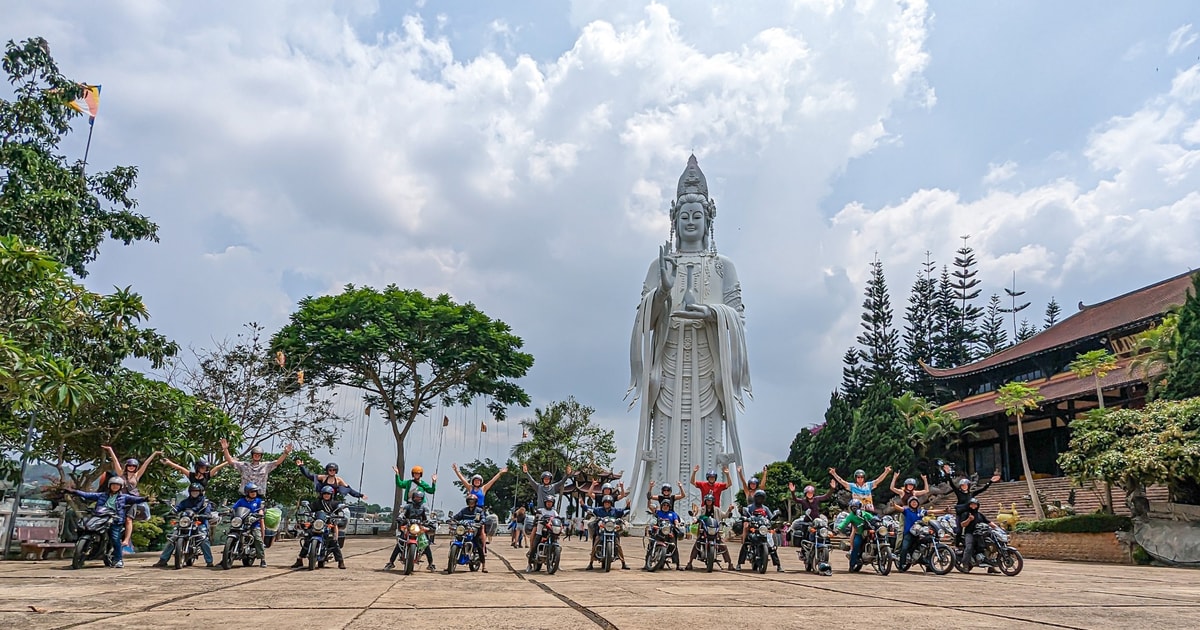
1078 524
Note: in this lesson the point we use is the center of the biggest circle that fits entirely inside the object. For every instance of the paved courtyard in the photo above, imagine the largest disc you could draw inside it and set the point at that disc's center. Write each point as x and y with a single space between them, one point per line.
36 595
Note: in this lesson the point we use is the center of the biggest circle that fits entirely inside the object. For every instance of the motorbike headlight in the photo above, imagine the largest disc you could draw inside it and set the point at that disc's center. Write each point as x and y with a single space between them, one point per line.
236 522
556 528
460 530
414 529
824 532
318 524
610 526
881 532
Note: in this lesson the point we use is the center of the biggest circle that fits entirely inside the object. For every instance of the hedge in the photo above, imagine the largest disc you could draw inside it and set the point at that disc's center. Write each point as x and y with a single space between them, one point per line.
1078 524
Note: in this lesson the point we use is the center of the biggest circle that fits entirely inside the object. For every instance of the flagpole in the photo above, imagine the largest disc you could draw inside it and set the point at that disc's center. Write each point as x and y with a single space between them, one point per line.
86 149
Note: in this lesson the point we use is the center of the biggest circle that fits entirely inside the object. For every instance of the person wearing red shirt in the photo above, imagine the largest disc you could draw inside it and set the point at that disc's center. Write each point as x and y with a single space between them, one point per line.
710 485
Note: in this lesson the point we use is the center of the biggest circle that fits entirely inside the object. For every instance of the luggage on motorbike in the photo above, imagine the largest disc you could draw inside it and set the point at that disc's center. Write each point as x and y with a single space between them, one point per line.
271 517
530 521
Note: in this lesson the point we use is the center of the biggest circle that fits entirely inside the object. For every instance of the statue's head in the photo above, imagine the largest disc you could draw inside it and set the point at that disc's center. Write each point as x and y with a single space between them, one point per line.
693 212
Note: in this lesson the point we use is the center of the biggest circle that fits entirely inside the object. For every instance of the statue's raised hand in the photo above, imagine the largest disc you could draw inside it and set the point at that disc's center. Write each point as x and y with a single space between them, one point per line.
666 269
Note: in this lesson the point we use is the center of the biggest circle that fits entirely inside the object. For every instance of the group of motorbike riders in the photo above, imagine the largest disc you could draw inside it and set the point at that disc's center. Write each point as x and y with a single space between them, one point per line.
859 521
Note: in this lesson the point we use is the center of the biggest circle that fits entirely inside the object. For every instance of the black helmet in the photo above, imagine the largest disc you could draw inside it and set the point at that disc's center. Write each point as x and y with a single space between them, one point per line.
760 496
202 463
472 497
196 487
712 474
546 475
326 489
972 501
417 496
331 466
824 569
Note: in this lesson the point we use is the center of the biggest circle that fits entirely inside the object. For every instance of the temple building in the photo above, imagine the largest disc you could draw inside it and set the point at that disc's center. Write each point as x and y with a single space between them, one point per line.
1043 361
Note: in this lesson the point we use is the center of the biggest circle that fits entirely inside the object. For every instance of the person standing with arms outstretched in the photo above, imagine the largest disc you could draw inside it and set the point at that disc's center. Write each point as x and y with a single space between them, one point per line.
132 473
860 488
257 469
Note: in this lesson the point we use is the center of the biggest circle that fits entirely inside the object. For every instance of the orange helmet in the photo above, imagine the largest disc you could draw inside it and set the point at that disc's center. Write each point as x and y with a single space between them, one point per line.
417 470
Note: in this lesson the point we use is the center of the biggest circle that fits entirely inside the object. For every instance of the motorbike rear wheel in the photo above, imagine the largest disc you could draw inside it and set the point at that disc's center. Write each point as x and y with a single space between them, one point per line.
81 553
1011 562
227 554
314 550
552 558
710 557
476 560
410 557
941 559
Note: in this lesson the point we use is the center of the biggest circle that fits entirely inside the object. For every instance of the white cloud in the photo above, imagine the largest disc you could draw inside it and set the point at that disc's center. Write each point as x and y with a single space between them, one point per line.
999 173
1181 38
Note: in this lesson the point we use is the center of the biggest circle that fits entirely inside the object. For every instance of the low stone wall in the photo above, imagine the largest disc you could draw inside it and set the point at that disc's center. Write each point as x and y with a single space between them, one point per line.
1079 547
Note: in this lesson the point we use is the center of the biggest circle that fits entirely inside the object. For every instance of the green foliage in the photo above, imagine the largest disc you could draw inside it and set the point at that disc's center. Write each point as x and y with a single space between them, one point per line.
1053 312
879 437
830 443
286 487
44 199
800 452
779 474
1018 398
992 335
1078 524
561 436
854 376
408 352
262 394
147 534
919 329
879 339
1183 375
1157 348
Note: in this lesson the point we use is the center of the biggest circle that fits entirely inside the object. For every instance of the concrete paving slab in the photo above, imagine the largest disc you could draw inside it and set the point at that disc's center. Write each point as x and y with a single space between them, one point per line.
516 618
48 620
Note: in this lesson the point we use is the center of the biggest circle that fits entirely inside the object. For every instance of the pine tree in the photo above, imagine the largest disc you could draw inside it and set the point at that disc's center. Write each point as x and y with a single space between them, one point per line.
947 325
854 376
964 284
1053 311
879 339
1013 294
800 453
828 448
992 336
1026 331
880 435
1183 375
919 329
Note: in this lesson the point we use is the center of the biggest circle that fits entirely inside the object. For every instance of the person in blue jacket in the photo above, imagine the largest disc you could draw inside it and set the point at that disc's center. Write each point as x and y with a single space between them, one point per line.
114 498
254 503
606 510
198 504
666 512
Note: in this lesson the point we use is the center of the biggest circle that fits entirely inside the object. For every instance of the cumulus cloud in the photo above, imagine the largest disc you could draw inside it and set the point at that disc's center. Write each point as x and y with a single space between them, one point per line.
999 173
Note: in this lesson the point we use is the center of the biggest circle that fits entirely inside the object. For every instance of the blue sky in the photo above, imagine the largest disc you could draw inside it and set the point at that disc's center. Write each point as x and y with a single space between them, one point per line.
522 156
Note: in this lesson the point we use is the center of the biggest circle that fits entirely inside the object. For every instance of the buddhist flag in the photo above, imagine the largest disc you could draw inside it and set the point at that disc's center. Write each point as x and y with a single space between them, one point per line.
445 421
368 411
300 376
280 358
483 427
89 104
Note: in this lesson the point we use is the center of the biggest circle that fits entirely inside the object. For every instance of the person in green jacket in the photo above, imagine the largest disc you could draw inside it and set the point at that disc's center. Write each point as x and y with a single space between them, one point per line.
409 485
859 519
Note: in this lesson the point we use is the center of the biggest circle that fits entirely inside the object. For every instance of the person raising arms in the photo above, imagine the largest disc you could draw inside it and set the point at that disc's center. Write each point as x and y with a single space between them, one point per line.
132 473
410 486
202 474
860 488
257 469
476 485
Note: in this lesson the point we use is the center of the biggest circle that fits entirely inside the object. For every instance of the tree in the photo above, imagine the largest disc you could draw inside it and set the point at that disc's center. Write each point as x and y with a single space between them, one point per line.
947 336
800 452
854 376
562 436
1053 312
992 336
1183 375
964 283
406 352
919 329
503 495
879 339
779 475
45 200
1135 448
1096 364
829 445
1018 398
1156 349
879 437
1013 294
264 395
1026 332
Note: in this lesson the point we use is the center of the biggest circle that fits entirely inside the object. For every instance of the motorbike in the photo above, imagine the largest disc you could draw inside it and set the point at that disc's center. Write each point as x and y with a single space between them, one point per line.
609 530
929 548
755 533
546 548
188 535
811 540
877 546
239 543
992 550
317 535
410 536
708 530
662 544
94 542
465 547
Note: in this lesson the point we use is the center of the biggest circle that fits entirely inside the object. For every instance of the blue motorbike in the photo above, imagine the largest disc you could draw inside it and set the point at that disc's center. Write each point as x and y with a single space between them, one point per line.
465 549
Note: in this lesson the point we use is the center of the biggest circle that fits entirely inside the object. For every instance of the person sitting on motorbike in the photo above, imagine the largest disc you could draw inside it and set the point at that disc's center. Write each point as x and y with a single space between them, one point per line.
971 518
329 503
963 494
912 515
710 485
861 488
709 510
416 512
254 503
114 497
857 521
548 487
810 506
197 503
544 515
653 500
607 510
617 493
203 470
475 513
909 489
339 485
758 507
666 512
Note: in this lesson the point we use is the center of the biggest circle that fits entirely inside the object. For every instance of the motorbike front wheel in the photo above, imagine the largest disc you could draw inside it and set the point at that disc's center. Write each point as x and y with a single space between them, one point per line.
710 557
606 560
941 559
81 552
314 552
760 560
883 561
227 554
410 558
552 558
658 557
452 561
1011 562
178 554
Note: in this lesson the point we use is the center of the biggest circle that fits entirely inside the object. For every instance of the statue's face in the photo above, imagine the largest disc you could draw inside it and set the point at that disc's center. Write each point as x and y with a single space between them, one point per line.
691 223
